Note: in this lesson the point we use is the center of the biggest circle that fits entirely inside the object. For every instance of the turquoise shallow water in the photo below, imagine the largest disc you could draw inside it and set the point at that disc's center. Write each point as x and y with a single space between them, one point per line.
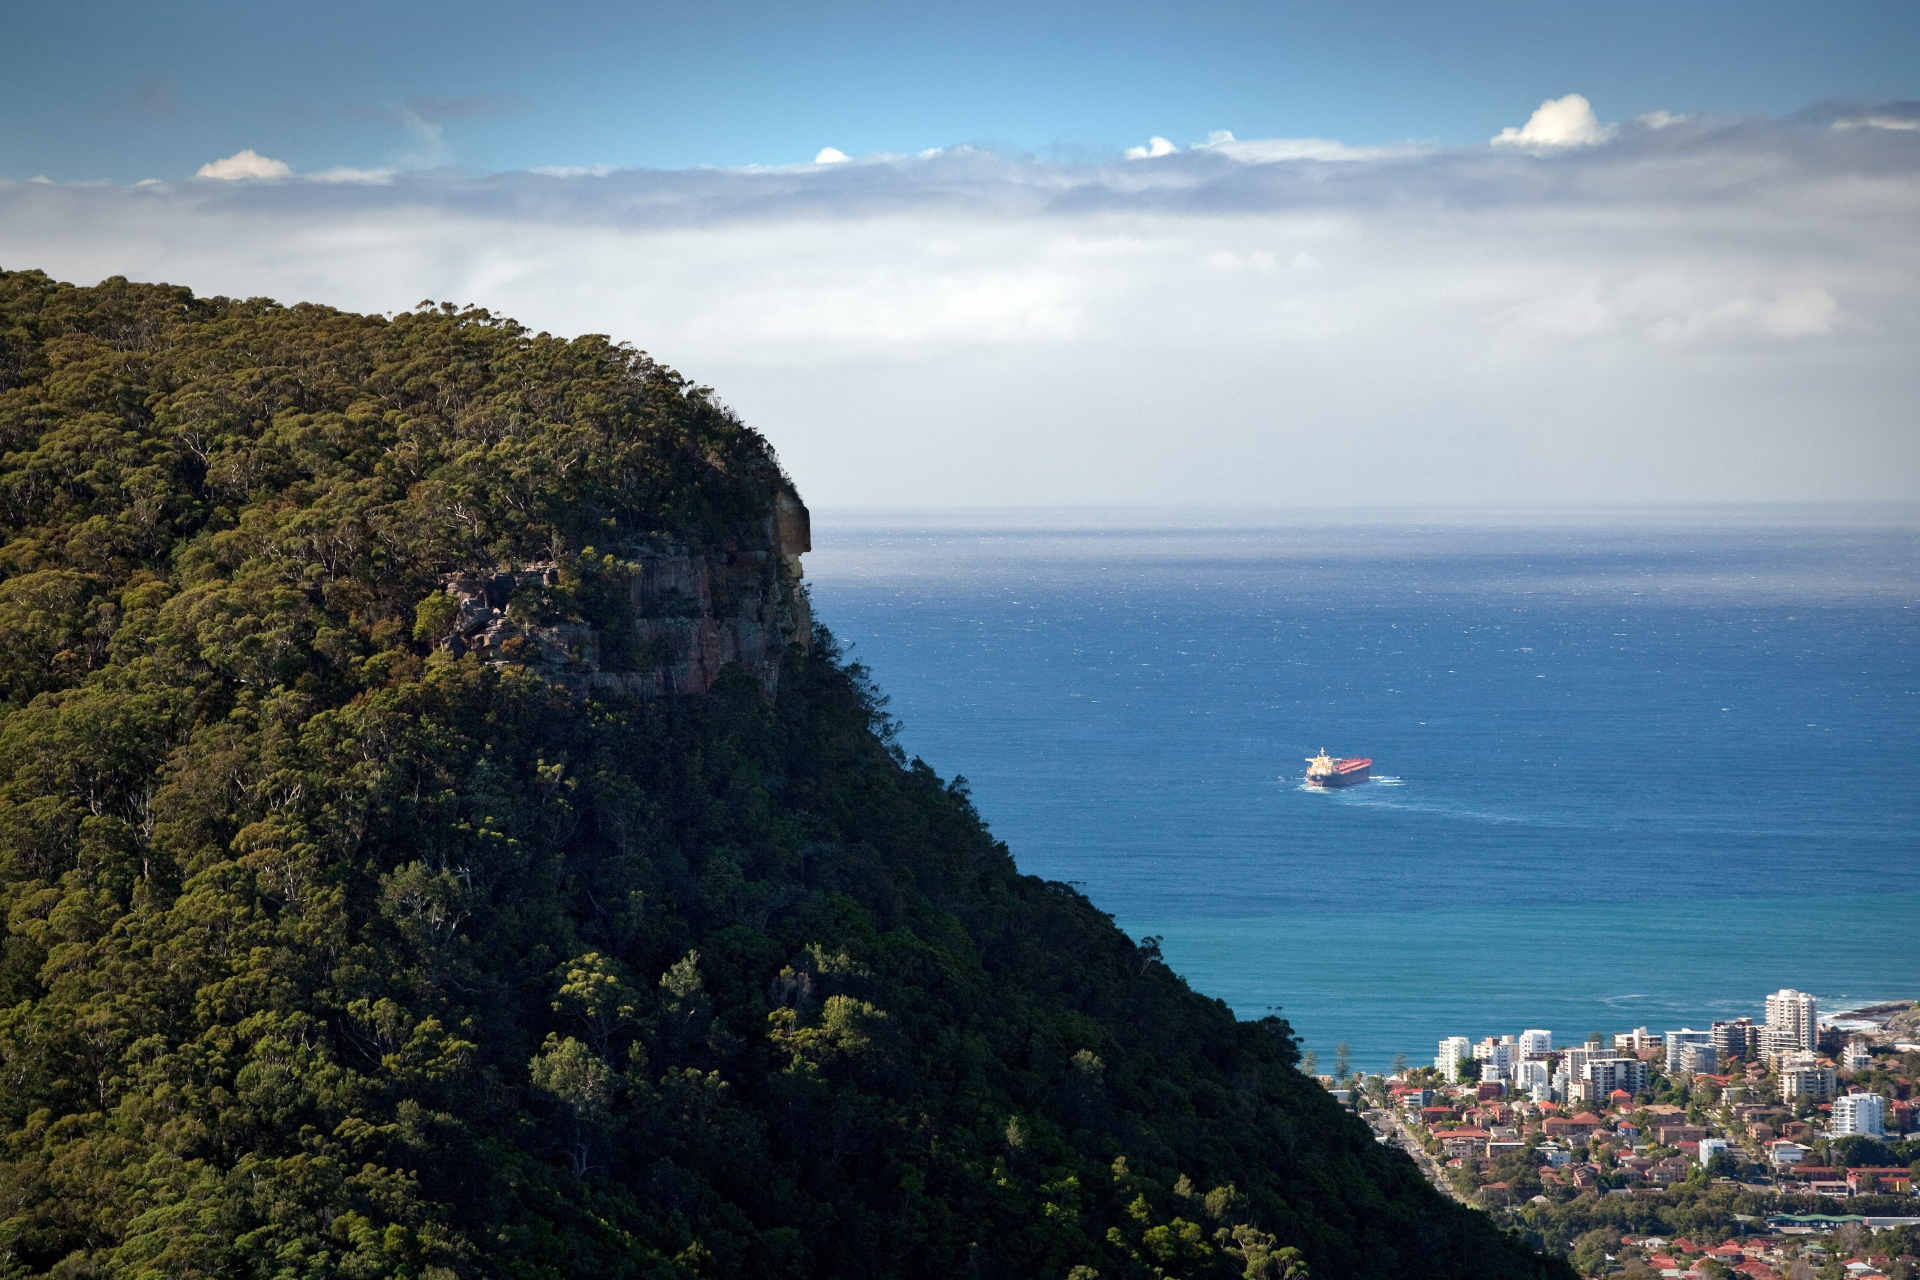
1640 772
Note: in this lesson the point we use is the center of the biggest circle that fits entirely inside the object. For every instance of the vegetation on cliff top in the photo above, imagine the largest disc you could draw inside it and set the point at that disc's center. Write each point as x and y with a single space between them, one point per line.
328 955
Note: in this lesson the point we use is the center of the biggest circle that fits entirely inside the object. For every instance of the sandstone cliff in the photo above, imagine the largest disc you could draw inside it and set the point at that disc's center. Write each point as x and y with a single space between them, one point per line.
678 613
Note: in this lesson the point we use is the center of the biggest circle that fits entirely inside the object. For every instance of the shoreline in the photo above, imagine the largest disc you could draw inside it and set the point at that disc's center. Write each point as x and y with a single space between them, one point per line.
1882 1013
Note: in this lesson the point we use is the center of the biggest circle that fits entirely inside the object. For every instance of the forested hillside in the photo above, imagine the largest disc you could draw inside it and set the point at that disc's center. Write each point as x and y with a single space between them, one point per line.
331 953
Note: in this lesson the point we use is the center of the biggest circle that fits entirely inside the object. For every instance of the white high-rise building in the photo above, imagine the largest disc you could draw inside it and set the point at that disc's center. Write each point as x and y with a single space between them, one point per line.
1534 1041
1862 1113
1604 1075
1498 1054
1793 1020
1736 1038
1815 1084
1636 1041
1698 1059
1446 1058
1677 1041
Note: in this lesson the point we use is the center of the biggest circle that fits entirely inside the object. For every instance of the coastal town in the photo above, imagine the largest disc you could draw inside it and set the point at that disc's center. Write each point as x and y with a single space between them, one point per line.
1781 1147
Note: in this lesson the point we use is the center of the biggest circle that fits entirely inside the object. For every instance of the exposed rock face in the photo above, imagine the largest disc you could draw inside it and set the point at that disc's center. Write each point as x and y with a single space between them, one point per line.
693 610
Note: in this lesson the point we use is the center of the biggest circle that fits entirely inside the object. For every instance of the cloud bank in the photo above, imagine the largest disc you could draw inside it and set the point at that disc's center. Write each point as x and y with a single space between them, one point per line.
1681 310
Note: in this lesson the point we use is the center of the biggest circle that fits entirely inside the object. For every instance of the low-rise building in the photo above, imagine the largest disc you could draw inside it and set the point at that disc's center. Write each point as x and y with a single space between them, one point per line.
1455 1143
1894 1180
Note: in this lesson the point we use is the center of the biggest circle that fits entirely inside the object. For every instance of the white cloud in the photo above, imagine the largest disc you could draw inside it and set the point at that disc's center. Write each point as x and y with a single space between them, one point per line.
1558 122
572 170
831 155
1896 124
242 165
1808 311
1155 147
149 182
1415 325
357 177
1272 150
42 179
429 148
1662 119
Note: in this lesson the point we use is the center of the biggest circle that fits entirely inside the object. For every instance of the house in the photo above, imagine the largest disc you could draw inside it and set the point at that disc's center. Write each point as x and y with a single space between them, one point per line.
1579 1126
1672 1135
1896 1180
1461 1142
1671 1170
1783 1152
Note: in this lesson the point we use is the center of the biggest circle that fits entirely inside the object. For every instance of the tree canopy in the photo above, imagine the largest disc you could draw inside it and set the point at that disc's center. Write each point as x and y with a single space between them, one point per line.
327 953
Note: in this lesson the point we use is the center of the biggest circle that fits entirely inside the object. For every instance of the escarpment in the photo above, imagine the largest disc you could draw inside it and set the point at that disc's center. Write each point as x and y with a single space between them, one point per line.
666 618
331 946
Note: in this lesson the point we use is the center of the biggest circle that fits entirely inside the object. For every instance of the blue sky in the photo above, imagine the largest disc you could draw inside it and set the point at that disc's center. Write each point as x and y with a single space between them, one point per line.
126 90
1287 255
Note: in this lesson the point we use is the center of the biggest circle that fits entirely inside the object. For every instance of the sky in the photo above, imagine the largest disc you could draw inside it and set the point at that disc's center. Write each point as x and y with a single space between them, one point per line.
1287 255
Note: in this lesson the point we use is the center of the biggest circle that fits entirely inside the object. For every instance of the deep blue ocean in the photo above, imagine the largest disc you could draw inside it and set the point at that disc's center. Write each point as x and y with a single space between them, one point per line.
1630 768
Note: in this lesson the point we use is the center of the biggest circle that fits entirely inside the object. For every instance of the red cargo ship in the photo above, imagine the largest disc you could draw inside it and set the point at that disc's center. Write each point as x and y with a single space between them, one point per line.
1324 771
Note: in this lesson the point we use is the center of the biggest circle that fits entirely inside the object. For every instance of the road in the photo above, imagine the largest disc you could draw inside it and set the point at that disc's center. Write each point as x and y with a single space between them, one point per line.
1391 1121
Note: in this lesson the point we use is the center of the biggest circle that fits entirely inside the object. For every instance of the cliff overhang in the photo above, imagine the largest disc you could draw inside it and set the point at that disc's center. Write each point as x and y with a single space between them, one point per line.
656 616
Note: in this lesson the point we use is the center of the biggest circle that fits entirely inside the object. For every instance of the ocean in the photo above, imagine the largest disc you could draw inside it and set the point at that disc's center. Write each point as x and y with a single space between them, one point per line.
1630 768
